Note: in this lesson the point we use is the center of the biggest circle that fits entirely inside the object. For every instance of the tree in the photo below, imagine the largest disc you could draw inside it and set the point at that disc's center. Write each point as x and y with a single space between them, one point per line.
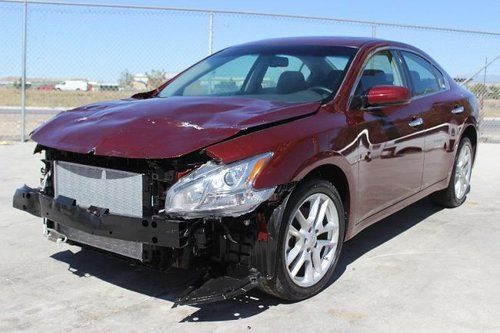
126 79
156 78
17 83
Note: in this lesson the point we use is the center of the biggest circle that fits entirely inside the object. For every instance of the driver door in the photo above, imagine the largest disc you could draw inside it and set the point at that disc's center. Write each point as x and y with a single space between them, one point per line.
391 165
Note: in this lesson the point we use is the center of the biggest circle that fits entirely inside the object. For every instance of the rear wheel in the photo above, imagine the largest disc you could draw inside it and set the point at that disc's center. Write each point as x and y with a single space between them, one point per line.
310 240
456 192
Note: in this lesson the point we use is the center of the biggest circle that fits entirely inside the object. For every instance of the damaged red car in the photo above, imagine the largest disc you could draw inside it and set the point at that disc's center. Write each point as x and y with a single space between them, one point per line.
256 164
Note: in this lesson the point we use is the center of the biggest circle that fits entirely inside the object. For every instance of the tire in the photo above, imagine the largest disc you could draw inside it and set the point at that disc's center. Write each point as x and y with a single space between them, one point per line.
283 284
451 197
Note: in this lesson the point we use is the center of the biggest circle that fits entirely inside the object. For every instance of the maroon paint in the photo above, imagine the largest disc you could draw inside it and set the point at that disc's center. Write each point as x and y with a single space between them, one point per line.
387 163
160 127
384 95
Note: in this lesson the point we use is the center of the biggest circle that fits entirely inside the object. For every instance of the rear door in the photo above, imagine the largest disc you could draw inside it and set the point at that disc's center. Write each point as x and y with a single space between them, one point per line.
439 108
390 169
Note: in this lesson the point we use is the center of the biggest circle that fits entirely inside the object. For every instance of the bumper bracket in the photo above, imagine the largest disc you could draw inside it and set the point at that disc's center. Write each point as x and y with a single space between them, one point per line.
154 230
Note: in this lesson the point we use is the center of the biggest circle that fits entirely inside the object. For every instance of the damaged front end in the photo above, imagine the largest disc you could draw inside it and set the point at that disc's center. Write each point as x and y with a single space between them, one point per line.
189 212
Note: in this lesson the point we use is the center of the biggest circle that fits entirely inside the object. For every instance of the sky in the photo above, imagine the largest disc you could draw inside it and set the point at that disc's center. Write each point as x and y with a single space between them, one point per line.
477 15
99 44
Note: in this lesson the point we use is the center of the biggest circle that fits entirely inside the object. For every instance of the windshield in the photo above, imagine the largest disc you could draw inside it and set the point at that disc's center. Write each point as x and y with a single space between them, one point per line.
288 74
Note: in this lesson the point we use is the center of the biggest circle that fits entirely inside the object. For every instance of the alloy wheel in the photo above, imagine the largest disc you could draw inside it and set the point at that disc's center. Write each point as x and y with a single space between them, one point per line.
311 240
463 171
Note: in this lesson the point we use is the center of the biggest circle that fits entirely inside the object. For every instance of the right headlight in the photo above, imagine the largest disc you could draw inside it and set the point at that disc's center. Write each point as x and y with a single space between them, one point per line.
215 190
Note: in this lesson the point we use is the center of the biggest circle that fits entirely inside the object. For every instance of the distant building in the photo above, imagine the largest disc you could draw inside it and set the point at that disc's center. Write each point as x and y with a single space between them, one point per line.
100 86
9 81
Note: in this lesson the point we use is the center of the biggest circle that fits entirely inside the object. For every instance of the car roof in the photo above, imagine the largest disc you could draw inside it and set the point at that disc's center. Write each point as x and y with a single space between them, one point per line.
355 42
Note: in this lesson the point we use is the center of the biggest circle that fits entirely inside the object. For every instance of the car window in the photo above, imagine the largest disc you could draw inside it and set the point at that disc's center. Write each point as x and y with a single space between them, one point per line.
273 74
425 78
292 74
225 79
337 62
381 69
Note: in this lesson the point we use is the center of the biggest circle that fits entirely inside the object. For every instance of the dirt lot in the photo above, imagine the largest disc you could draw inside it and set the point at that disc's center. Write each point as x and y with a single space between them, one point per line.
491 108
423 269
57 99
10 125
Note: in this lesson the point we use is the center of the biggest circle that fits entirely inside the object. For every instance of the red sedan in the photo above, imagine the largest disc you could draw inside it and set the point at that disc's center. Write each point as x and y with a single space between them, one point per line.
257 163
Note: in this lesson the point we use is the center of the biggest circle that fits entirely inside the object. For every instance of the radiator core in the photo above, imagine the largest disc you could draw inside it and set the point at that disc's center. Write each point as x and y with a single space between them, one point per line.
119 191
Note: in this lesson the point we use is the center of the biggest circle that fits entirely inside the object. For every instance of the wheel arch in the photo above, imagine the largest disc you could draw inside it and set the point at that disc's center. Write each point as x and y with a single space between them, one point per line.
342 180
337 177
471 133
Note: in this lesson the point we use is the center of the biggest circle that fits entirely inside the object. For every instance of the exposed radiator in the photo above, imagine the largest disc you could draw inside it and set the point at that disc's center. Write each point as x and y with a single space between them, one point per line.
119 191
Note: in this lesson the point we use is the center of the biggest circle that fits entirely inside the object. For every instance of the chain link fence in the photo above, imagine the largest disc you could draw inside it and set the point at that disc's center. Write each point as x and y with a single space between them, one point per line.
74 54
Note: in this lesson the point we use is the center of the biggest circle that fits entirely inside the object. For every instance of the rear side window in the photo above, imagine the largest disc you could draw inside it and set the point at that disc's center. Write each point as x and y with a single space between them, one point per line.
381 69
425 78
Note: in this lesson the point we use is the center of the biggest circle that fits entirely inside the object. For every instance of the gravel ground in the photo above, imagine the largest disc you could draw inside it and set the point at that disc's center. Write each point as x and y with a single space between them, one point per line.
423 269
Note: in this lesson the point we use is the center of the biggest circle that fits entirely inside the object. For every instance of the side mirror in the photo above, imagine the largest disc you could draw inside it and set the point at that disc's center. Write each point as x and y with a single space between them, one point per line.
387 95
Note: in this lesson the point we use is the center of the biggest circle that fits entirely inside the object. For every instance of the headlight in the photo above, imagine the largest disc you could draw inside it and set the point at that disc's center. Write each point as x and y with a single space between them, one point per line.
219 190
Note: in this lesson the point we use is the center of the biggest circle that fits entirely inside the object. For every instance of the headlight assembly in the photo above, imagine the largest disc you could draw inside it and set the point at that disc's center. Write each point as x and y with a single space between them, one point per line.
215 190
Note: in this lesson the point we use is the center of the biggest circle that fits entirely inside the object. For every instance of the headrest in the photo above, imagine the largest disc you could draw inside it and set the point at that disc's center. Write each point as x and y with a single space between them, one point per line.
290 82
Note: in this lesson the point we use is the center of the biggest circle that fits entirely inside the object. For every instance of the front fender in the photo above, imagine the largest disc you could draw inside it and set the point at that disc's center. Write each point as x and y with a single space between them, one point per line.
298 146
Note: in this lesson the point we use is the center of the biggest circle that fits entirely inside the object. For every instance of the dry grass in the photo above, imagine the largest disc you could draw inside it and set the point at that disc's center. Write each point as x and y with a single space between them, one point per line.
56 99
491 108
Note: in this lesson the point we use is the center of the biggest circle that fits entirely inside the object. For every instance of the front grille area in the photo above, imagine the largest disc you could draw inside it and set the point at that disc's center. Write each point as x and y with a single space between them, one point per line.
119 191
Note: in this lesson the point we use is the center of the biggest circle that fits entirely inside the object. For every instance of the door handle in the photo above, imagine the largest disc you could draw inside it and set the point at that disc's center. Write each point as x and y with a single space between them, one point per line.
416 122
458 109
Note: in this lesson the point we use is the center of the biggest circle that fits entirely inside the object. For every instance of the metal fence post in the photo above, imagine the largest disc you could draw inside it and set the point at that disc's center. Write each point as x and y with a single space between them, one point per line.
23 78
210 32
479 70
374 30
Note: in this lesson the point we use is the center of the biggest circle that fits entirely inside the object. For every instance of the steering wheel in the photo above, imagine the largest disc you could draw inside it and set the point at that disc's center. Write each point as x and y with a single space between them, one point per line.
322 90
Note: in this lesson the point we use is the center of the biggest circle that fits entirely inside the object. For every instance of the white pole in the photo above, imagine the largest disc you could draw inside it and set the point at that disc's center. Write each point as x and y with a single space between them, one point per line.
23 78
210 33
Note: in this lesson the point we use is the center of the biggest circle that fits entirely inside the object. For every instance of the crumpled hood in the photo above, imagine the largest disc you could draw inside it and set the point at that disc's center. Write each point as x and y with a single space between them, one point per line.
160 127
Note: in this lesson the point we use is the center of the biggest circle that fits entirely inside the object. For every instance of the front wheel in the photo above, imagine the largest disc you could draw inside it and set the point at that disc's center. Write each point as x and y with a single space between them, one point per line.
310 241
456 192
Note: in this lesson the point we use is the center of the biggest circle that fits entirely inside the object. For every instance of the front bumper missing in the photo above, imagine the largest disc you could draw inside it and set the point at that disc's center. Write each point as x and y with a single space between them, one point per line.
155 230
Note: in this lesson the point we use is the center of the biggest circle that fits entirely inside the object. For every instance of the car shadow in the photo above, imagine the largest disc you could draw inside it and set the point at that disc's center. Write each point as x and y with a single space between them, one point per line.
168 285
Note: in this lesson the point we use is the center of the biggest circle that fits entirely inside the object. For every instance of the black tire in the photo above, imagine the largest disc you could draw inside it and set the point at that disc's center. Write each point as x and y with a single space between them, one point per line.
281 285
447 197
